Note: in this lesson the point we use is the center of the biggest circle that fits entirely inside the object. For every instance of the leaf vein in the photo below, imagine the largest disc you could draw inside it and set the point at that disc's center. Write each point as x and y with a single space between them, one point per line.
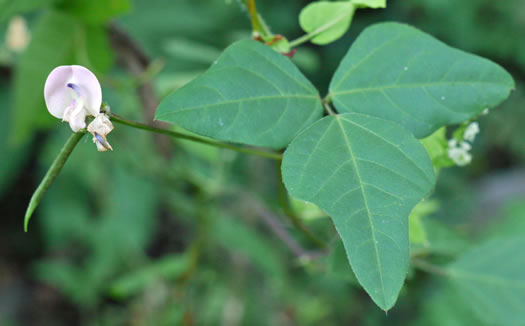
392 144
363 193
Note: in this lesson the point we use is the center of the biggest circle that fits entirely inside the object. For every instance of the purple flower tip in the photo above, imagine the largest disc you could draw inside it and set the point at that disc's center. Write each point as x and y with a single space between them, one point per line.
74 87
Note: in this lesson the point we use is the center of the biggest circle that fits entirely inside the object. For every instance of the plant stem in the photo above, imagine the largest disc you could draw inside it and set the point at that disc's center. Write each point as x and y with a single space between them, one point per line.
175 134
429 267
328 108
258 24
317 31
51 174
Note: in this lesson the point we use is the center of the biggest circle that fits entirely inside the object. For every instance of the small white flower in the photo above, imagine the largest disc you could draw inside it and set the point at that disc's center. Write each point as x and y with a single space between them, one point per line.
459 153
465 146
99 128
459 156
471 131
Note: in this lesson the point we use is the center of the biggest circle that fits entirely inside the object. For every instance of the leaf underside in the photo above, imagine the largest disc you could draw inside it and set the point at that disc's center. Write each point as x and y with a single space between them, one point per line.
251 95
367 174
396 72
332 19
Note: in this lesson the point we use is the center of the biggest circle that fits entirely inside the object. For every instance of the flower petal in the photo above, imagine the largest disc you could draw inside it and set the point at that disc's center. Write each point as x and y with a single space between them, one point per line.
90 88
56 94
76 119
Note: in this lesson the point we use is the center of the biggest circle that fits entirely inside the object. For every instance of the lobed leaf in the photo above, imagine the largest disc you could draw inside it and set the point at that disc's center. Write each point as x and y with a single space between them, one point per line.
396 72
251 95
367 174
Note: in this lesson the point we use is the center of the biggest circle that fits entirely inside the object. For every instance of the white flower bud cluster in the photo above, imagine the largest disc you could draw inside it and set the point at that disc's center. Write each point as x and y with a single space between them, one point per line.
459 151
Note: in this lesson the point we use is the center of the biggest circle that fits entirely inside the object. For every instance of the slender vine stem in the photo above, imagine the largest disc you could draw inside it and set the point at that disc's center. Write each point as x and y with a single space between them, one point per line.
327 106
258 24
51 174
429 267
175 134
307 37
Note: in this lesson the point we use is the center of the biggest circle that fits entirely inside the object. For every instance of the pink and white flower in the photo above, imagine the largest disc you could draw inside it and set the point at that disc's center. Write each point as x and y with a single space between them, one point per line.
73 94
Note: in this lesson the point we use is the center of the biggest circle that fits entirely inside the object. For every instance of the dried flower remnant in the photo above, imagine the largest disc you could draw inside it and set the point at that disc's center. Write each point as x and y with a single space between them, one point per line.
17 35
99 128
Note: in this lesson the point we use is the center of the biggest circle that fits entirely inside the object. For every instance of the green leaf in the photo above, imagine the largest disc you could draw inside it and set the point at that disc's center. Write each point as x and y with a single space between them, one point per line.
282 45
491 280
329 19
306 210
442 306
190 50
442 239
511 222
416 228
9 168
338 266
399 73
97 11
243 240
51 45
169 267
251 95
98 50
436 146
369 3
9 8
367 174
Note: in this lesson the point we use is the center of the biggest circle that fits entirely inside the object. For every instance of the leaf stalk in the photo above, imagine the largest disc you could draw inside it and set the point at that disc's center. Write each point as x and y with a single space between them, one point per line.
429 267
175 134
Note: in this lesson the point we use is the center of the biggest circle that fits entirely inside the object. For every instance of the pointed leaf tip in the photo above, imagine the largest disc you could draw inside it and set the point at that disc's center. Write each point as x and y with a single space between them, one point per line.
399 73
367 174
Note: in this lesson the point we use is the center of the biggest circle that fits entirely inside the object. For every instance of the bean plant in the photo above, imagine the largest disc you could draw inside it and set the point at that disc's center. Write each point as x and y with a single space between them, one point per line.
400 107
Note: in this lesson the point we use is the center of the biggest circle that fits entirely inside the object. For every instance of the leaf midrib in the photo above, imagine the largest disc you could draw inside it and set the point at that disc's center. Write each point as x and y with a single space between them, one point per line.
412 85
429 179
368 213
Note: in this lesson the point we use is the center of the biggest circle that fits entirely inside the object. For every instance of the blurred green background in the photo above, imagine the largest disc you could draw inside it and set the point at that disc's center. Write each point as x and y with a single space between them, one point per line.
119 241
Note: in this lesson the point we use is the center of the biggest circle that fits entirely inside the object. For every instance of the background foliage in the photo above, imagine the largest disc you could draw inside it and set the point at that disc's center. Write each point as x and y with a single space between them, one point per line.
120 241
